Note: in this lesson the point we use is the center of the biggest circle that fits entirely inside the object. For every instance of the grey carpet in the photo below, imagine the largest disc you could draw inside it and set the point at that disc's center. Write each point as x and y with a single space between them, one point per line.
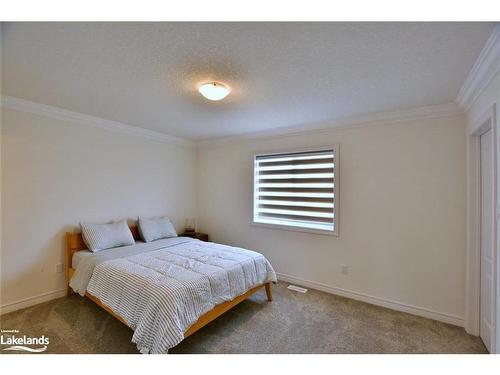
314 322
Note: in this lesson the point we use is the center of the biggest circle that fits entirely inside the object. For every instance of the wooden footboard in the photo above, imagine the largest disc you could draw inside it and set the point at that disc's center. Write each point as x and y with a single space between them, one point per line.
223 307
75 242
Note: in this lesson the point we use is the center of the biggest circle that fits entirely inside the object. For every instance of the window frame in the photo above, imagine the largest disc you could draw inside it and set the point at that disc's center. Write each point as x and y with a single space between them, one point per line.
293 228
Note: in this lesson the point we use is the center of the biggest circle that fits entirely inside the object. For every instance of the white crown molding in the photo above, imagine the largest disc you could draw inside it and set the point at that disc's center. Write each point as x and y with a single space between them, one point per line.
486 67
415 114
384 118
23 105
383 302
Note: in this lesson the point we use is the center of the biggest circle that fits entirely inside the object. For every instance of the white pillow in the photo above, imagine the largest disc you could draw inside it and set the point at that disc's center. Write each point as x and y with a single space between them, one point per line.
154 229
104 236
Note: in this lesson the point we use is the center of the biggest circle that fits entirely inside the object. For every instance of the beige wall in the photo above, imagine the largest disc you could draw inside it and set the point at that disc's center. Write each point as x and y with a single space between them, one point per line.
401 220
402 203
56 173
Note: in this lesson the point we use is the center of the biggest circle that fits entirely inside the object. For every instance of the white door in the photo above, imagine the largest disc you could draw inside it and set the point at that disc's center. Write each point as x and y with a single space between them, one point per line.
486 329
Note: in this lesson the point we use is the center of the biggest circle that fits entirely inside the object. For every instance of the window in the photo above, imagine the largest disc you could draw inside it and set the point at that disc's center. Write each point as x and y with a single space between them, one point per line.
297 189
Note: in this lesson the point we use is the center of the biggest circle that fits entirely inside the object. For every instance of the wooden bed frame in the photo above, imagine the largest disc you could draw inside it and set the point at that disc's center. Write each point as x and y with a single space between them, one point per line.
74 243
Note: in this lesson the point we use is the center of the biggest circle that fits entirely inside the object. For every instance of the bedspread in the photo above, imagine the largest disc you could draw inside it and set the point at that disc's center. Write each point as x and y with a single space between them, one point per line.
161 289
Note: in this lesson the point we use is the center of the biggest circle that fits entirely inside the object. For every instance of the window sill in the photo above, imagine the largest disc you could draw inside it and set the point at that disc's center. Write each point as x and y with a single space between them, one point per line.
295 229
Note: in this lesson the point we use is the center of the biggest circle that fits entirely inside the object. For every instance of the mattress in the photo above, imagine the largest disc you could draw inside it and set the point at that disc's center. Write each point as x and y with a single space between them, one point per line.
79 256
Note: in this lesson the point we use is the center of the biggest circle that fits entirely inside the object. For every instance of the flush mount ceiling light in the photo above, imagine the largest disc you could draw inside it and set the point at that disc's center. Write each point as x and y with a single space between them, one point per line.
214 90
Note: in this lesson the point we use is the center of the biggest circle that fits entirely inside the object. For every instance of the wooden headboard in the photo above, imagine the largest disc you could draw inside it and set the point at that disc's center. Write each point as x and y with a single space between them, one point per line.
74 243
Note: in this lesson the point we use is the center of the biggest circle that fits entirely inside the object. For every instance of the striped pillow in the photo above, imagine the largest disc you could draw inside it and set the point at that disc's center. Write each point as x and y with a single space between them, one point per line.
104 236
155 229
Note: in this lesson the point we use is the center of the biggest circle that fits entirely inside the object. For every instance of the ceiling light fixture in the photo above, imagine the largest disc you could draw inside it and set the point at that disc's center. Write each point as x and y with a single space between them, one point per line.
214 90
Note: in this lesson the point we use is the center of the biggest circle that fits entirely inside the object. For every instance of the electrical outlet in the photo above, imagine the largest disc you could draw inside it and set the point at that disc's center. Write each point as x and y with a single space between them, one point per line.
344 269
59 268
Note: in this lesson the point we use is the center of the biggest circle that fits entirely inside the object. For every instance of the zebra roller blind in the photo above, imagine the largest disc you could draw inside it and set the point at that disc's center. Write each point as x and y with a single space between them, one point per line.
296 189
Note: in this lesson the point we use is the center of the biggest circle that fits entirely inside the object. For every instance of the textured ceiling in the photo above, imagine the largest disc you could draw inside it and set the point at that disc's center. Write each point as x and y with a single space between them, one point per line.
282 74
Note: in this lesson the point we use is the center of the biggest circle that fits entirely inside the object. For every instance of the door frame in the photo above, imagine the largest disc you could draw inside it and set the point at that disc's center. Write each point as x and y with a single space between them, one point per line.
480 125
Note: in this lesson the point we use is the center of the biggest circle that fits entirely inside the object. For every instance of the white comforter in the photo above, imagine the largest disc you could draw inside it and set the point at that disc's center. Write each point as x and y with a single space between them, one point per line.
161 288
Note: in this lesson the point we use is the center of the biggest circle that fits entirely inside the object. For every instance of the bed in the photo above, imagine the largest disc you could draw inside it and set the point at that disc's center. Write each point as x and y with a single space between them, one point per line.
168 289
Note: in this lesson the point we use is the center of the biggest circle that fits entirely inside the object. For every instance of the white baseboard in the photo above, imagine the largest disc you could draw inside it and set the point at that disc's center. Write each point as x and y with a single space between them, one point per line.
394 305
30 301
